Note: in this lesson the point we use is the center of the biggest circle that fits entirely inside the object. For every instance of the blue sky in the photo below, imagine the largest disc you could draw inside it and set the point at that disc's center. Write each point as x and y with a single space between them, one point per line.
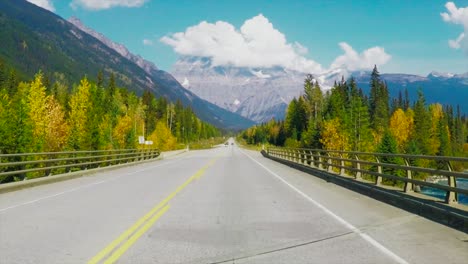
408 36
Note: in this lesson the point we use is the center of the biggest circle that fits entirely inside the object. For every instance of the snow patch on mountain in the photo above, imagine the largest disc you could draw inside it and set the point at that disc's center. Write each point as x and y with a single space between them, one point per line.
259 74
441 74
186 83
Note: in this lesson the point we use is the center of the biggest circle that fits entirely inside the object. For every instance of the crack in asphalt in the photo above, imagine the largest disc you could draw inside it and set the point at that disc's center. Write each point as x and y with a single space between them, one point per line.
282 248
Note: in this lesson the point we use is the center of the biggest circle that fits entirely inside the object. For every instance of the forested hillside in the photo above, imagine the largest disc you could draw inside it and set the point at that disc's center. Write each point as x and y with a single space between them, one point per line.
345 118
40 116
32 39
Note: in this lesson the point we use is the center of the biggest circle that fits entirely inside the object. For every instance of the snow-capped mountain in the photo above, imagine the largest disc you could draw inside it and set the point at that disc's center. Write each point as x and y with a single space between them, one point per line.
264 93
257 94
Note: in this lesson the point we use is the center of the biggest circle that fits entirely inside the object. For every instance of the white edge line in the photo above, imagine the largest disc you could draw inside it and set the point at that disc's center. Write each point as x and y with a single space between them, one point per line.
354 229
83 186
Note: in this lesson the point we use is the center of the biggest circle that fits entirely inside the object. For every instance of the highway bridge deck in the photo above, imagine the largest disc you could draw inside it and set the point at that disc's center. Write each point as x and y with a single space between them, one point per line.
214 206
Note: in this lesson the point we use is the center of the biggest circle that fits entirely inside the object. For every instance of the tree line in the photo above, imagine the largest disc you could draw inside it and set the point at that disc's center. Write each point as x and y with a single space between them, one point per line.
44 116
344 118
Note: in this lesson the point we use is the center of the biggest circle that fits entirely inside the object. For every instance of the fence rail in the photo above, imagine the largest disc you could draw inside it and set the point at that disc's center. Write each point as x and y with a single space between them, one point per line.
23 166
397 168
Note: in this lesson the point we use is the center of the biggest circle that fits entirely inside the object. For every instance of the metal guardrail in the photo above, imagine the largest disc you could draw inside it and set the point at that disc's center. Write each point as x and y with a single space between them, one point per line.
358 164
23 166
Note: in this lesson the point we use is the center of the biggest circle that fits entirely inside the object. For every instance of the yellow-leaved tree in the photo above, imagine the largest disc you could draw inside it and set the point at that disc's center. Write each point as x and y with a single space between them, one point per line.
57 130
334 136
401 126
162 137
80 104
37 102
122 131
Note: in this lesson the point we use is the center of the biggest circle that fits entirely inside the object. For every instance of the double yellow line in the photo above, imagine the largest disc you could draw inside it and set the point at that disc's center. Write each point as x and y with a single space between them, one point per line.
120 245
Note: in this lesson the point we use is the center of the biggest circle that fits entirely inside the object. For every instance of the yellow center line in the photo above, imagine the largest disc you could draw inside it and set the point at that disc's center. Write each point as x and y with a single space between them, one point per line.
120 251
157 209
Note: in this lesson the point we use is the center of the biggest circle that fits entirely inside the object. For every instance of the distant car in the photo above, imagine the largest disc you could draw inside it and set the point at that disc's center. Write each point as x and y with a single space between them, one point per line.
232 143
226 144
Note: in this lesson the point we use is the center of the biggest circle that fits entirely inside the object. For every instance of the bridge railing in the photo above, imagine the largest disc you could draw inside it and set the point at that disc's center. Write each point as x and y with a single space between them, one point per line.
34 165
394 168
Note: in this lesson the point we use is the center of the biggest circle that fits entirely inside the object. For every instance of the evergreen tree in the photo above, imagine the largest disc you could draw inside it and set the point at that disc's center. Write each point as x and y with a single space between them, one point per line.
422 124
379 100
389 145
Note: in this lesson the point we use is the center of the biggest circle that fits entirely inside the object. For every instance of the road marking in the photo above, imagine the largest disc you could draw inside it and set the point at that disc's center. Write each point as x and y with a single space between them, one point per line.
119 252
130 234
356 230
83 187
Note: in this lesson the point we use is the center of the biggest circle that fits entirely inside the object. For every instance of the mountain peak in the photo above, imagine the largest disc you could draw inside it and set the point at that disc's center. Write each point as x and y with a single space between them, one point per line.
147 66
436 74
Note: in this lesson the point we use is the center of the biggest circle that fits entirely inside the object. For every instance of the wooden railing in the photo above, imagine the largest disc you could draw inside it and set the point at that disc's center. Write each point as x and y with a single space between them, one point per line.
14 167
399 168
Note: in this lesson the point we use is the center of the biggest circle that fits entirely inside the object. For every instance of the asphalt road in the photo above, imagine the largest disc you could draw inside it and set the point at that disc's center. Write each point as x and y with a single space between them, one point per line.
224 205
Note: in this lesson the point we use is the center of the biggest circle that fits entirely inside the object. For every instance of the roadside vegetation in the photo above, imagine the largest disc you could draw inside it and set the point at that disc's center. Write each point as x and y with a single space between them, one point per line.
346 119
43 116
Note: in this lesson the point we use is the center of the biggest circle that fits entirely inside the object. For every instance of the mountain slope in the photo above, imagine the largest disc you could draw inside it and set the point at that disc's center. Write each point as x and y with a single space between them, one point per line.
32 38
258 94
263 93
445 90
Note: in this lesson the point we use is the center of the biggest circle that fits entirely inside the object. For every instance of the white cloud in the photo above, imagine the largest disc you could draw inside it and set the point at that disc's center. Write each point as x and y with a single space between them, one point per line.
300 49
458 16
355 61
147 42
106 4
456 44
46 4
258 44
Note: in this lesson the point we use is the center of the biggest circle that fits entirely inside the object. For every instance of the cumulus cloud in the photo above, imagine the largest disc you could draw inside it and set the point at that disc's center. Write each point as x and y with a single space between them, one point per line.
46 4
147 42
458 16
355 61
106 4
456 43
258 44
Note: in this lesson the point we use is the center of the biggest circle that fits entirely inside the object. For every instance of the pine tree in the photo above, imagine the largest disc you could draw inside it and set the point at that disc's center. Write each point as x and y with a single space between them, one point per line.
422 124
296 118
389 145
379 100
445 148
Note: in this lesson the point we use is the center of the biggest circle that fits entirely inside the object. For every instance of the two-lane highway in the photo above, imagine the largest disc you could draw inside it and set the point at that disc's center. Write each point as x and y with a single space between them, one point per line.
224 205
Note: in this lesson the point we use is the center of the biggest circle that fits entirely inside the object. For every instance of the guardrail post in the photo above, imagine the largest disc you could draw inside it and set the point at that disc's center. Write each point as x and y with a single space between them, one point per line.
329 162
305 160
312 160
408 185
320 160
342 163
358 174
378 179
451 197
